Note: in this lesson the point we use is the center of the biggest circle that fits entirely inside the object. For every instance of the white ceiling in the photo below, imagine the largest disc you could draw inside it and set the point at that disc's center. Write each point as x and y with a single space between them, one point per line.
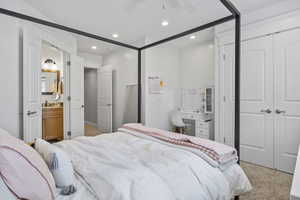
133 22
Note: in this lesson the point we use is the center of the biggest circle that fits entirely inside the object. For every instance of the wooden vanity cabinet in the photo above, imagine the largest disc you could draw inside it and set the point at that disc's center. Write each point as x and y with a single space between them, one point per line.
53 123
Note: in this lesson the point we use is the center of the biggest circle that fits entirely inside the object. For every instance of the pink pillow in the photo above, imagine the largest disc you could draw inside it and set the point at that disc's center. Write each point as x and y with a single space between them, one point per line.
24 171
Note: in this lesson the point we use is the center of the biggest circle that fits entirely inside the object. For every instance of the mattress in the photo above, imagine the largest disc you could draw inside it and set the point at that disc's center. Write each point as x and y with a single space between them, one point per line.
120 166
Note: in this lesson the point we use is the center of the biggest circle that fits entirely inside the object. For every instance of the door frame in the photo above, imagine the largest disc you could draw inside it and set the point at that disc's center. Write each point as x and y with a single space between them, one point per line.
97 70
61 41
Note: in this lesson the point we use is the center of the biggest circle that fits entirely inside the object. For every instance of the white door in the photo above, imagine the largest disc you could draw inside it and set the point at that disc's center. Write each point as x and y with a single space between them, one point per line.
32 111
257 133
105 99
287 99
77 96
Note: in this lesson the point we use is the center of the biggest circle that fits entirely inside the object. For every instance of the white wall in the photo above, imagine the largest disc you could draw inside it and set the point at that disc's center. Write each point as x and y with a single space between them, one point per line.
162 61
125 72
10 77
91 60
90 95
11 103
197 65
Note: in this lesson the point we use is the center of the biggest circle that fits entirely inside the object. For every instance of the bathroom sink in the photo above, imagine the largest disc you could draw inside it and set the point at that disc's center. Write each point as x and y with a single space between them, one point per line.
53 105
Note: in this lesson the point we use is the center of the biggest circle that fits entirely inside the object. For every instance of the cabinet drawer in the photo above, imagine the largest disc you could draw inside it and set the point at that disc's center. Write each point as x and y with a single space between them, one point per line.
203 136
202 125
202 132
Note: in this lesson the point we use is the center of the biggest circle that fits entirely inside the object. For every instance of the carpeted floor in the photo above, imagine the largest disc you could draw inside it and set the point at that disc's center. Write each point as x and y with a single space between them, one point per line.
268 184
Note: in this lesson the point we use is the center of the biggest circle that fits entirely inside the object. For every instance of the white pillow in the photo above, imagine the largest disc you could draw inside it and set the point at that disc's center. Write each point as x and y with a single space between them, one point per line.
59 164
5 192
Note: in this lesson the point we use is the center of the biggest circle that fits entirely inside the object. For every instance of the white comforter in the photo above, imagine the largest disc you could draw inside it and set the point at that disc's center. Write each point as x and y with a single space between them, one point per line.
120 166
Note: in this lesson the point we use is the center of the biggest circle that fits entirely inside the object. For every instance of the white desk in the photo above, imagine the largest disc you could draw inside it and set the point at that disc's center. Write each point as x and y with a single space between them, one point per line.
295 191
203 124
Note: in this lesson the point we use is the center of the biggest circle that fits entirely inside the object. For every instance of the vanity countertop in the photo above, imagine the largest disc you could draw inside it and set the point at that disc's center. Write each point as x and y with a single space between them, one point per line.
196 115
52 107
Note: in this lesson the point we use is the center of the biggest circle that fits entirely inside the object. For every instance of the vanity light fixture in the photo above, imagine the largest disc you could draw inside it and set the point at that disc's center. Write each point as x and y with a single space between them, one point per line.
94 47
115 35
50 64
192 37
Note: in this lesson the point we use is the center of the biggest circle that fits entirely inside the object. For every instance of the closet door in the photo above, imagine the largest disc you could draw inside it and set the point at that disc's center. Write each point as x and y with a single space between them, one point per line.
257 131
287 101
257 105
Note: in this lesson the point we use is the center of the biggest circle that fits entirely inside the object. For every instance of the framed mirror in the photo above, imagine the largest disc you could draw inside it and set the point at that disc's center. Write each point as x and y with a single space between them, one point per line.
50 80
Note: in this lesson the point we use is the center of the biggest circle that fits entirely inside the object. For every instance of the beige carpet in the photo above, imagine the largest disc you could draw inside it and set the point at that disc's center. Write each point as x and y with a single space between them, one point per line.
91 130
268 184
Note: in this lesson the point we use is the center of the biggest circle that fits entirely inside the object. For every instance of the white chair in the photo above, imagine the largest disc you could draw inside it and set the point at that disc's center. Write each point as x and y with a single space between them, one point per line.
177 121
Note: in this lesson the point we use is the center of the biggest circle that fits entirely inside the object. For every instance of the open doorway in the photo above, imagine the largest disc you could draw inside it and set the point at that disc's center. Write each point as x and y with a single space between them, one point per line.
52 91
90 99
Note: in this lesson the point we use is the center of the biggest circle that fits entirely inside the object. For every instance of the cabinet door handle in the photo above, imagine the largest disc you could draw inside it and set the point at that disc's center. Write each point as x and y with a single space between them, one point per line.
280 111
268 111
31 113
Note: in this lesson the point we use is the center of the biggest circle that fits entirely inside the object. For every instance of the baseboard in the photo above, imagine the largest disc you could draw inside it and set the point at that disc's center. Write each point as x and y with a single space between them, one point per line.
91 124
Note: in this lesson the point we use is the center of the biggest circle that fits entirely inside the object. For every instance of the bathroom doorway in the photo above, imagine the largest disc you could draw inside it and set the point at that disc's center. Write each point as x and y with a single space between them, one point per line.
52 92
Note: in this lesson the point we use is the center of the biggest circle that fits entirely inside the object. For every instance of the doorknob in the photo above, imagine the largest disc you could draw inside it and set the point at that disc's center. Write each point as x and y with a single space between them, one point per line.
109 104
280 111
31 113
82 106
268 111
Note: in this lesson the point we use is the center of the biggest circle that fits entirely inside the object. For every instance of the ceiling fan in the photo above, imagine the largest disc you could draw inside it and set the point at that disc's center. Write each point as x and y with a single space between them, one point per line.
186 5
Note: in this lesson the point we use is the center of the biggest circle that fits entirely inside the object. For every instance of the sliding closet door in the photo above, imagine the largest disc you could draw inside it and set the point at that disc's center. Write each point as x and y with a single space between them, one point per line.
257 133
287 101
32 111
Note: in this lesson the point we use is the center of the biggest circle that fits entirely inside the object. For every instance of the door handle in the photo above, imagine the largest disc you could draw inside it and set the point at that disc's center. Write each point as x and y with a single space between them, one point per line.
82 106
268 111
31 113
280 111
109 104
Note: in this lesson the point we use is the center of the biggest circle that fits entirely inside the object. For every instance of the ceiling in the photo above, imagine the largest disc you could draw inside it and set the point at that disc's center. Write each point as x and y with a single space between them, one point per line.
85 44
134 20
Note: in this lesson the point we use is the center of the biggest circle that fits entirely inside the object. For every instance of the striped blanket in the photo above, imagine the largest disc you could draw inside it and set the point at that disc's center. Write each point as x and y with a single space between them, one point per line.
221 155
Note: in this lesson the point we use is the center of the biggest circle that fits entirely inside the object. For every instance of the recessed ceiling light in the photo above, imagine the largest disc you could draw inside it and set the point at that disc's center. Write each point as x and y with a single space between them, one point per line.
192 37
94 47
165 23
115 35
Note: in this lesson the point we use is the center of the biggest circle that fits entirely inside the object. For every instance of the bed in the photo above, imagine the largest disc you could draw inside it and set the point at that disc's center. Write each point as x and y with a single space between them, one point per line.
125 166
133 163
